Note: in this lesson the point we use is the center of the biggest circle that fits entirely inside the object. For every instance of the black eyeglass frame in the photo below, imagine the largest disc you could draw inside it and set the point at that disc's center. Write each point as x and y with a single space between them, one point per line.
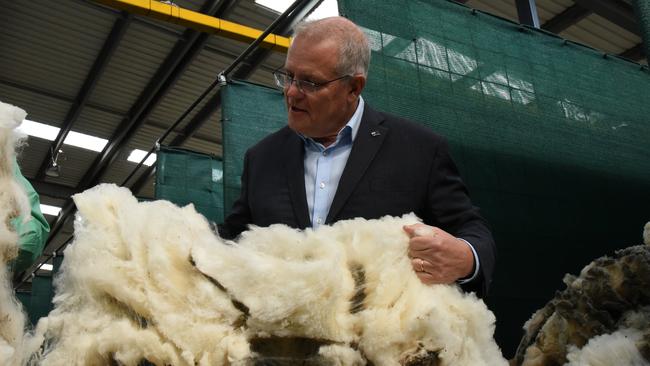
283 81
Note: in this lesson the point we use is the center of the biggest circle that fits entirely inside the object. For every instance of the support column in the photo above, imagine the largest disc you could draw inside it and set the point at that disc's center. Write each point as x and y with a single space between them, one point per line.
527 11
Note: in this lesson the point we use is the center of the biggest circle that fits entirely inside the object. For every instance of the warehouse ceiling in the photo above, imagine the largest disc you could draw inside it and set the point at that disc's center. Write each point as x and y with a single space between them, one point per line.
91 69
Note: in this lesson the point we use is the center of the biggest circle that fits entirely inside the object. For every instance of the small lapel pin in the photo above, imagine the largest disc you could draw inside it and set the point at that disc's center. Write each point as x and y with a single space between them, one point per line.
375 133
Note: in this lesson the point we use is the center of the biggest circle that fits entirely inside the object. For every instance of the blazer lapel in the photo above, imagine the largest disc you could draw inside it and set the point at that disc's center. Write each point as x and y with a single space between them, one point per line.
294 155
369 138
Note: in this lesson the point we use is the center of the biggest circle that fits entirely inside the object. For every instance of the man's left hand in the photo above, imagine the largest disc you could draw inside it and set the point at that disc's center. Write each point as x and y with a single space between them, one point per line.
436 256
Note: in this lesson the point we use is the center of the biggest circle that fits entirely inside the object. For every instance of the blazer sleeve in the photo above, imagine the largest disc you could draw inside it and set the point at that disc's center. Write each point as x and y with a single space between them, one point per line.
451 209
240 215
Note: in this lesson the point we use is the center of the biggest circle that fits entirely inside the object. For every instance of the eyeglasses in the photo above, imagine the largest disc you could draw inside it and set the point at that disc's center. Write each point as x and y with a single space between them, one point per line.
284 81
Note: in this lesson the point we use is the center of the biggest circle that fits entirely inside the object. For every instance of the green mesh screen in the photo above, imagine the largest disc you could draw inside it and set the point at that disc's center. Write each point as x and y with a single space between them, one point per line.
550 136
184 176
249 113
38 302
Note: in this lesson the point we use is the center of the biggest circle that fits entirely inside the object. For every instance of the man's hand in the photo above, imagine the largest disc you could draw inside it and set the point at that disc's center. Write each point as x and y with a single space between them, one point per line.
436 256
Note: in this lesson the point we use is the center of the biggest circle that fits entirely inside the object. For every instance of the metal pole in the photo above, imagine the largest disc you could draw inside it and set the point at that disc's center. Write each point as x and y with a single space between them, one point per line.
268 30
527 11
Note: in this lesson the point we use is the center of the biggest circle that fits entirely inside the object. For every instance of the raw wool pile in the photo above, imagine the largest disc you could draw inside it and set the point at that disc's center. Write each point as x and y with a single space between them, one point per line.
602 318
152 281
13 203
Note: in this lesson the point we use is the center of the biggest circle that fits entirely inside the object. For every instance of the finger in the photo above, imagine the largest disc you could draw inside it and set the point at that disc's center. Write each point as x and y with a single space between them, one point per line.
417 264
429 267
424 230
418 244
410 230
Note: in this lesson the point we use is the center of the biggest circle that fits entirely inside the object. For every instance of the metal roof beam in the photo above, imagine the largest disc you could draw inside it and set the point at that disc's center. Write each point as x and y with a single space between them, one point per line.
197 21
182 54
243 72
52 190
616 11
57 96
570 16
108 49
527 12
284 28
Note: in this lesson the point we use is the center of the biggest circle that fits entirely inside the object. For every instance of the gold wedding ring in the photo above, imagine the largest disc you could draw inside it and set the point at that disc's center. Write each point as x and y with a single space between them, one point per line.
421 264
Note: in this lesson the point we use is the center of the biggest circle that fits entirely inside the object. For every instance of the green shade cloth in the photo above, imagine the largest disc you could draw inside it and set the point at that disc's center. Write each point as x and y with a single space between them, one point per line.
38 303
33 232
184 177
249 113
550 136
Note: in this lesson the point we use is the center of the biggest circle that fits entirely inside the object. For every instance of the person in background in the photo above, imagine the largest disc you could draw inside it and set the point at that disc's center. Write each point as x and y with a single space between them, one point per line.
32 233
338 159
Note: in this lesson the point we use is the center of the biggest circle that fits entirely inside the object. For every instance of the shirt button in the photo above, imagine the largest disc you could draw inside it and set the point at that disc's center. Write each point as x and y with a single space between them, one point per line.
324 153
319 221
322 185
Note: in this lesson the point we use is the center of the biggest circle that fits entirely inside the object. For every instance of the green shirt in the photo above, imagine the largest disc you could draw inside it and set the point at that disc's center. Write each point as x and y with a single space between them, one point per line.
32 234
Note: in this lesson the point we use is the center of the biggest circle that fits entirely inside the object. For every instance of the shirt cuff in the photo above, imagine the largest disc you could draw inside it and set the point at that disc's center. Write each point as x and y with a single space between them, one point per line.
476 265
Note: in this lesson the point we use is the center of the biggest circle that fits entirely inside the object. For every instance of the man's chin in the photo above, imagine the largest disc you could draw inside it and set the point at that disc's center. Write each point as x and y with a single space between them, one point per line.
299 127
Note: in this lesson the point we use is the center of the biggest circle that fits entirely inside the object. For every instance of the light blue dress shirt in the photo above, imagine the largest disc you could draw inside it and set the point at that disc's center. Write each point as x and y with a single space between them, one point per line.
324 167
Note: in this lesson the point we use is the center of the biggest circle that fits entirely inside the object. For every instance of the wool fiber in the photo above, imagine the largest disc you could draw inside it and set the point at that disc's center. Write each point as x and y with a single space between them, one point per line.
152 281
618 348
13 203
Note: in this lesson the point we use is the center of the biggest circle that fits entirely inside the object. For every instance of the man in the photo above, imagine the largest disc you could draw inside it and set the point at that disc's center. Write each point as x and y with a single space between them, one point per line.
339 159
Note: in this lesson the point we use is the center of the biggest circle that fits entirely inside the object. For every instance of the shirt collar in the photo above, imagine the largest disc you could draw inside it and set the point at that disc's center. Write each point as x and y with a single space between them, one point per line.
352 126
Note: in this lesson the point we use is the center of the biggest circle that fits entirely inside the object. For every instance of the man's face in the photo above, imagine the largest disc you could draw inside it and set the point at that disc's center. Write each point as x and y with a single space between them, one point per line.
323 112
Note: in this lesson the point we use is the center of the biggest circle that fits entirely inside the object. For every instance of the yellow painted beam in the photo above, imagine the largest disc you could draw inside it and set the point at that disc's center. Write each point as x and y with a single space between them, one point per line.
197 21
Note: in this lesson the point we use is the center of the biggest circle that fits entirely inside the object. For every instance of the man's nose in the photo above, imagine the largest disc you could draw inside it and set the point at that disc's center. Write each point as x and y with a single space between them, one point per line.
292 89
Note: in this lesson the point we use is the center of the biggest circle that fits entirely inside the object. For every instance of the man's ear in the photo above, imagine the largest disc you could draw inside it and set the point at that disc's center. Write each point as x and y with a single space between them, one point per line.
357 83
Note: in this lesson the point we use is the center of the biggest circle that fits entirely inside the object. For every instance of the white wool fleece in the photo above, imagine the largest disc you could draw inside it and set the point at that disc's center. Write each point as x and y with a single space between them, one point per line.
401 314
151 280
13 203
130 264
618 348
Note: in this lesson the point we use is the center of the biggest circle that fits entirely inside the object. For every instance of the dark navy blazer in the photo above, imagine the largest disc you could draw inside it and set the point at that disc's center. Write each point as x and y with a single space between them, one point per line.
395 167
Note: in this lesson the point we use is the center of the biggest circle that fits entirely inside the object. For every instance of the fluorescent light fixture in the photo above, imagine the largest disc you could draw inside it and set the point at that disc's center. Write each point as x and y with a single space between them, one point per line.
328 8
39 130
50 210
85 141
137 155
48 132
47 267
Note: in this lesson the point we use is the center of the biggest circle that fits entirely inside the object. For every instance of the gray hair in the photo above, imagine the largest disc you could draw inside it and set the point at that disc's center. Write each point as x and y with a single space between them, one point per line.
354 49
